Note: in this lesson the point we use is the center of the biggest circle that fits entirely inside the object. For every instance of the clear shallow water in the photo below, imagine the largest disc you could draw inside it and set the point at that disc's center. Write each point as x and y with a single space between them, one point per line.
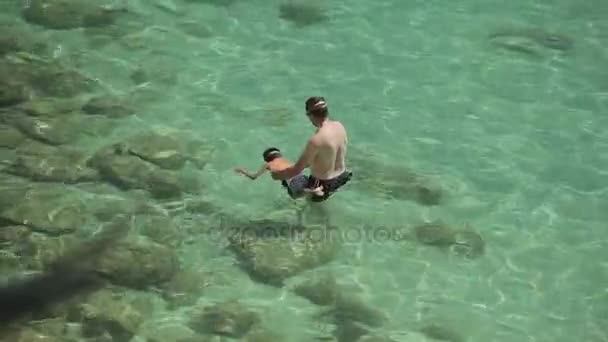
520 143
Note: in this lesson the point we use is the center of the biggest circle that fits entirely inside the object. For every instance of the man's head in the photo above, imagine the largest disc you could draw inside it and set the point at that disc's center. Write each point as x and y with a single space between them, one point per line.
316 110
271 154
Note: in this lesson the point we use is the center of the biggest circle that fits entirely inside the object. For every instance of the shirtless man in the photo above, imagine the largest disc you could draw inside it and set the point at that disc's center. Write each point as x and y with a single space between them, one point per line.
324 154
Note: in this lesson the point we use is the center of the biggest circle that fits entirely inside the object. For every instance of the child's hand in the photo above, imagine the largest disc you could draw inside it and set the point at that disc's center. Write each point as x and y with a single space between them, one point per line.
240 170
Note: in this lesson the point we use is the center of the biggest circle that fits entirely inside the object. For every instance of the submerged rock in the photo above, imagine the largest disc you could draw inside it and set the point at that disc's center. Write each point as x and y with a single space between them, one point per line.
435 234
468 243
348 331
167 151
441 333
462 242
302 13
39 250
53 131
138 262
530 41
69 14
12 92
230 319
10 137
50 107
28 334
44 77
350 308
10 263
16 39
105 312
159 228
40 162
392 181
106 206
185 288
13 190
162 150
323 291
130 172
270 253
48 209
13 234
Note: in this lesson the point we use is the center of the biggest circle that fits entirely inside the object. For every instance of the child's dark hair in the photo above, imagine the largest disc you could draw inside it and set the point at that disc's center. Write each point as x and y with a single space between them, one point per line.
270 154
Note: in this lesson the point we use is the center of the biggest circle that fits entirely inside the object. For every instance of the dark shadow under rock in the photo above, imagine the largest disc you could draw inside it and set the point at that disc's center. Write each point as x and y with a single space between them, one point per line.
109 106
69 14
302 13
63 279
229 319
40 162
271 252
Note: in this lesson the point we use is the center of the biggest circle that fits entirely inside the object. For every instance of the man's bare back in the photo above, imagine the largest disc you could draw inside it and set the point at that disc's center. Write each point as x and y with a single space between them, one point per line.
324 154
331 140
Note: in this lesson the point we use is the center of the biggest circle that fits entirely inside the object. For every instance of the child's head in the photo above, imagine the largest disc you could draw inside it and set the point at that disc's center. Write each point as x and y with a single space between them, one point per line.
271 154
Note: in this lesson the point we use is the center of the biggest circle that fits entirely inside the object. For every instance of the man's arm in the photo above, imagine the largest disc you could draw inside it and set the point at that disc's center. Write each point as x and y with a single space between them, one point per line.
260 172
310 151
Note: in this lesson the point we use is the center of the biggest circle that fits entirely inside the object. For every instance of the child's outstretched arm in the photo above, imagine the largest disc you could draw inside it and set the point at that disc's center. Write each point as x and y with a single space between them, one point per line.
244 172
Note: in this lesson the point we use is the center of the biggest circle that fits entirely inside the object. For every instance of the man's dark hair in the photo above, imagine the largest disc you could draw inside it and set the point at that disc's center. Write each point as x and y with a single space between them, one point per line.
317 106
271 154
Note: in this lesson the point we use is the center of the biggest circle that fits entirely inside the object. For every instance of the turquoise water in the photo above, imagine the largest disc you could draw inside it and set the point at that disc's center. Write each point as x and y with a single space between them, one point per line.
518 142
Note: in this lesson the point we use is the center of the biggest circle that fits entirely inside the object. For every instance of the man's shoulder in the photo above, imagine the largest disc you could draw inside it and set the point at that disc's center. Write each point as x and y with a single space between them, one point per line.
316 139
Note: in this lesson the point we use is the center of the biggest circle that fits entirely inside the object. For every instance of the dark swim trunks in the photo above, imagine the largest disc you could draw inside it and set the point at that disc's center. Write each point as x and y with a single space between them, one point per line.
329 185
296 185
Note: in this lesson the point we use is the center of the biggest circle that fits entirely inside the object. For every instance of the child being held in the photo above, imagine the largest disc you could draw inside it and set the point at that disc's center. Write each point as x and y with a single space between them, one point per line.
297 186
